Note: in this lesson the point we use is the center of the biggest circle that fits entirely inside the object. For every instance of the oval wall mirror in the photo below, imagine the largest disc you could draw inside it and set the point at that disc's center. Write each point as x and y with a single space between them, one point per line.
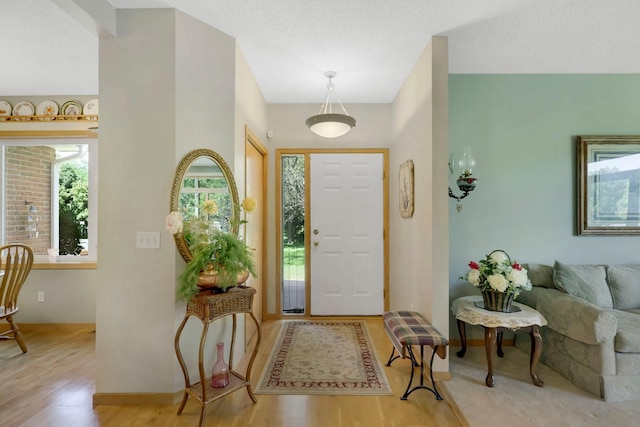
204 175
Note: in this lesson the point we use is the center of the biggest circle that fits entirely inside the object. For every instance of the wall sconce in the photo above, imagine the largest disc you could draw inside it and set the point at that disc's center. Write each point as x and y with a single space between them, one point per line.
465 182
32 221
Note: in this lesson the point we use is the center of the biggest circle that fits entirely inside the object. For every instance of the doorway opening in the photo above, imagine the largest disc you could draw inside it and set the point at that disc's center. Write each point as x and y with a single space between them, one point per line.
292 205
333 251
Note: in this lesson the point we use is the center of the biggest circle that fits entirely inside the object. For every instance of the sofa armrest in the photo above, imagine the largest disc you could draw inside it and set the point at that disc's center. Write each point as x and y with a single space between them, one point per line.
576 318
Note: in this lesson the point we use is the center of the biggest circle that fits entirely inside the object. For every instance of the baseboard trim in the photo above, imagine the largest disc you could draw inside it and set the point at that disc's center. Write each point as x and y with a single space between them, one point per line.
52 327
136 398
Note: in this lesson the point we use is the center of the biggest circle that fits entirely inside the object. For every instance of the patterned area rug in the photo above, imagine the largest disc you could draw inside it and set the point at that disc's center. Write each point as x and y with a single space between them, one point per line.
324 357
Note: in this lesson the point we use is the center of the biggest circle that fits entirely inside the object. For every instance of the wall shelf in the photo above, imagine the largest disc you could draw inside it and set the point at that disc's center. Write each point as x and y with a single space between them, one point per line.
48 119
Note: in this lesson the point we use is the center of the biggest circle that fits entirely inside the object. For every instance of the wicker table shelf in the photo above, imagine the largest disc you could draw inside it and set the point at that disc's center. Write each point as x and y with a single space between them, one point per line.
210 307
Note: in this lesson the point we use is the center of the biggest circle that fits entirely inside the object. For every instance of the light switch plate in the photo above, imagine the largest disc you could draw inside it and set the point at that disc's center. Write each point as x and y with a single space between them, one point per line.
148 239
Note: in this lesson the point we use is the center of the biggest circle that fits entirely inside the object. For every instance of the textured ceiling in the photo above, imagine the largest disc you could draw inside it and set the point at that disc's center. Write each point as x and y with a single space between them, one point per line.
372 44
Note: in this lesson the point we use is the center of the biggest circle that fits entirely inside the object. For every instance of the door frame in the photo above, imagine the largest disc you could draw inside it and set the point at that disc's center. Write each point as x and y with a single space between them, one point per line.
251 138
307 225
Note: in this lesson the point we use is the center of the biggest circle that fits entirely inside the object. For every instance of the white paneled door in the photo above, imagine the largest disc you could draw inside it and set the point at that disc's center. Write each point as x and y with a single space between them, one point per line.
347 226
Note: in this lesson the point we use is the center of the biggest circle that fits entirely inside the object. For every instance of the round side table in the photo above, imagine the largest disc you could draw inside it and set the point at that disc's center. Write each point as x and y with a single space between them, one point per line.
524 320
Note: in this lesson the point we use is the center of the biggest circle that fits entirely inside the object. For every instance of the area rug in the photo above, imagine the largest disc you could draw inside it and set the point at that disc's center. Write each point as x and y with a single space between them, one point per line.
515 401
324 357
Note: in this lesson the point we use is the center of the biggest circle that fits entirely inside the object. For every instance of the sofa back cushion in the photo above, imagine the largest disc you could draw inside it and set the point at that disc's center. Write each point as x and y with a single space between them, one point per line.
588 282
540 275
624 281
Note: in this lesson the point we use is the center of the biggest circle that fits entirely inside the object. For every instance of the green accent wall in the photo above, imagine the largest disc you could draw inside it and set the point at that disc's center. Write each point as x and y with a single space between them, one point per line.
523 130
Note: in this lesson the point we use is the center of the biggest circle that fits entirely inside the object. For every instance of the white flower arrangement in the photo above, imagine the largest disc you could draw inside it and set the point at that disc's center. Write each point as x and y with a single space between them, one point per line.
498 273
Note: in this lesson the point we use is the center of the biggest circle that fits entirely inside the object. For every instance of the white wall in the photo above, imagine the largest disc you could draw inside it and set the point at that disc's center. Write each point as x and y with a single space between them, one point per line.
250 111
419 245
168 84
135 293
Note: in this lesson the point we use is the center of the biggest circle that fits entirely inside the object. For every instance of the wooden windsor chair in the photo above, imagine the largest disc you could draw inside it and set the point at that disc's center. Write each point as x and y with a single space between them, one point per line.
17 260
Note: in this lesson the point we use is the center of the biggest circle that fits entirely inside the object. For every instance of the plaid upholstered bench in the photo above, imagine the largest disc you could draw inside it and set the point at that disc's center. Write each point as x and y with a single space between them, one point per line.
406 329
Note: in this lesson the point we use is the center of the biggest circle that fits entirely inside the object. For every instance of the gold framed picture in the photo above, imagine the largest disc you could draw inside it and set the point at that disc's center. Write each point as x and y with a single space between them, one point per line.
608 185
405 187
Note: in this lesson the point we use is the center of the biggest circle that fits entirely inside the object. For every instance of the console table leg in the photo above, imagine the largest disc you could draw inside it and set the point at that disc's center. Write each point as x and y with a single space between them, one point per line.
490 337
253 358
201 419
536 349
463 338
183 366
184 402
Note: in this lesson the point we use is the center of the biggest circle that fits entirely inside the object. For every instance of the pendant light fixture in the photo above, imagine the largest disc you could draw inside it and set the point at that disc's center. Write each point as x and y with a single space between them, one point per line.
327 123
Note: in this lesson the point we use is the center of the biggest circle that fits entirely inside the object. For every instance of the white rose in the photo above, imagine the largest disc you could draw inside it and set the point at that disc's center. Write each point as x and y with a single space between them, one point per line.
173 223
474 277
499 257
498 282
518 278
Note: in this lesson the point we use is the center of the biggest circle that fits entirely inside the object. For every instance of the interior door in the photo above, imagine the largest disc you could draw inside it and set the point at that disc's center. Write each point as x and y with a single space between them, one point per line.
347 234
255 172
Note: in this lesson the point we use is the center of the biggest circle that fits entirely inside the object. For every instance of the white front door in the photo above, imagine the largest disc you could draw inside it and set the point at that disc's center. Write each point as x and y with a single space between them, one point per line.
347 226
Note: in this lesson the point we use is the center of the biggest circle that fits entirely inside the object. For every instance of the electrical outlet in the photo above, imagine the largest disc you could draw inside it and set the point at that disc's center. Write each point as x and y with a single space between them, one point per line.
40 296
412 307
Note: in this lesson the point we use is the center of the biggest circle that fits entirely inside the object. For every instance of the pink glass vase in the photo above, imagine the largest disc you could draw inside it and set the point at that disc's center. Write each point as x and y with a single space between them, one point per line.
220 375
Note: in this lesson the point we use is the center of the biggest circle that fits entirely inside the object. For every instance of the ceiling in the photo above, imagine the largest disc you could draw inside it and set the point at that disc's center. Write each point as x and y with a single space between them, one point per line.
371 44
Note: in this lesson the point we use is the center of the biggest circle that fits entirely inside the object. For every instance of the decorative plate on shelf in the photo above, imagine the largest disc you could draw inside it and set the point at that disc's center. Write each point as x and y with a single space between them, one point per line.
71 108
23 109
48 109
5 110
91 109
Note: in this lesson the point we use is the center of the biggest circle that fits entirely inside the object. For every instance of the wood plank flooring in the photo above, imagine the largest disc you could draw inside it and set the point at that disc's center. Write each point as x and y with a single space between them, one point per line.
53 383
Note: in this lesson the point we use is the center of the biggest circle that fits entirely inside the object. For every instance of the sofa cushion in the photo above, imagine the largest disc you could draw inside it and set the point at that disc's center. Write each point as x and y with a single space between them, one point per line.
627 338
540 275
530 298
624 281
585 281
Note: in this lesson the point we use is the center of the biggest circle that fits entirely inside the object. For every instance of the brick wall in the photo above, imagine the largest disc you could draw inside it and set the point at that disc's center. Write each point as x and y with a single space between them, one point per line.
28 178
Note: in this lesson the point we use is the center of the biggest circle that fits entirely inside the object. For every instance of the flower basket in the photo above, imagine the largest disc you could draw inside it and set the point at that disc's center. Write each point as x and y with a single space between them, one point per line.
497 301
499 279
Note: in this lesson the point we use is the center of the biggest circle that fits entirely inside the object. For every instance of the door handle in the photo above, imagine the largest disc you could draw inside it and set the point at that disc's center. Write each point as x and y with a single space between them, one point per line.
316 243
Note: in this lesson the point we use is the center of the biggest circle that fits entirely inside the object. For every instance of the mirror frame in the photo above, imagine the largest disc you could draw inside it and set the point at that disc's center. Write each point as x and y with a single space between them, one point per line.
181 171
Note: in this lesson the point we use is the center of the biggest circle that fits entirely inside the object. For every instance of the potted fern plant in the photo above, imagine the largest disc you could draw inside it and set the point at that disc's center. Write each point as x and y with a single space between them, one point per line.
220 260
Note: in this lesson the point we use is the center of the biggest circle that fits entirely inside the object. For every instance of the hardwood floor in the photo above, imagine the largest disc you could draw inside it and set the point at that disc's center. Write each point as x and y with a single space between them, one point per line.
53 383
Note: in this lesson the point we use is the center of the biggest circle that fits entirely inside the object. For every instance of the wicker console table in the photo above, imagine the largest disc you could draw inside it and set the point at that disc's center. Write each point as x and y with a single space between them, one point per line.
209 307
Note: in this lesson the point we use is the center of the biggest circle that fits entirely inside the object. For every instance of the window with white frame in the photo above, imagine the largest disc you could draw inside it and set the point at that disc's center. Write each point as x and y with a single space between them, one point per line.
49 196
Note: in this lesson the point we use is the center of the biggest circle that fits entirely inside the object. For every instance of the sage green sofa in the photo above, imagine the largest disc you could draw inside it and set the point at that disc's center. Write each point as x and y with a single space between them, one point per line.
593 332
